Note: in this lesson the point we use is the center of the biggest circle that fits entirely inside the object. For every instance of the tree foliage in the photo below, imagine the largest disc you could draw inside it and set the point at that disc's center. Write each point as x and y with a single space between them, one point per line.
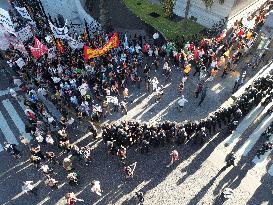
209 3
104 16
168 6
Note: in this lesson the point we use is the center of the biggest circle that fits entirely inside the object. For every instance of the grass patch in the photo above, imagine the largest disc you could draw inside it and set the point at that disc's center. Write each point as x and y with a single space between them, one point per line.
169 29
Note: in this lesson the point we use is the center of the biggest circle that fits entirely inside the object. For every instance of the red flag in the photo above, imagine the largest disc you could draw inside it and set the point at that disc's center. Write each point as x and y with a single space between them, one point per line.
38 49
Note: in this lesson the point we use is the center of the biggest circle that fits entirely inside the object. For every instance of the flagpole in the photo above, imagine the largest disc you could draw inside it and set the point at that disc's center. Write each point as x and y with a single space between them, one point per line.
87 30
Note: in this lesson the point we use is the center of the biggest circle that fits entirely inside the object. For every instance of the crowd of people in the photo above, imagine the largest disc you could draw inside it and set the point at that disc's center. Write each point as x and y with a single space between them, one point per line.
95 88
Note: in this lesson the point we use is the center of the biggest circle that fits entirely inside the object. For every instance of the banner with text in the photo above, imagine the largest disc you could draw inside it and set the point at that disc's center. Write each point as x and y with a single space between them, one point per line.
6 22
93 53
23 12
61 33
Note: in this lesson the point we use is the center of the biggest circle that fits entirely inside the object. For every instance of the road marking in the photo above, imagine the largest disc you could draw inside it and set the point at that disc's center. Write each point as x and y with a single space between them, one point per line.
232 139
270 171
6 130
254 137
15 118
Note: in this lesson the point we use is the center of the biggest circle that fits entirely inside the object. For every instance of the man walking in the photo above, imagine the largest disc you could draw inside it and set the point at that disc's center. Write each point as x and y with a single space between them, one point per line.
198 90
181 102
174 157
203 95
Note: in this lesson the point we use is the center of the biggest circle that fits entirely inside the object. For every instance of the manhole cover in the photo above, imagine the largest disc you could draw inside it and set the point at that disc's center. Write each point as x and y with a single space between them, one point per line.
154 14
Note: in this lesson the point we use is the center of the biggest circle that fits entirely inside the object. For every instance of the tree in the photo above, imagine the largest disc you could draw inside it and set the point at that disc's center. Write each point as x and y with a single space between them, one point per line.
104 16
209 3
187 8
168 6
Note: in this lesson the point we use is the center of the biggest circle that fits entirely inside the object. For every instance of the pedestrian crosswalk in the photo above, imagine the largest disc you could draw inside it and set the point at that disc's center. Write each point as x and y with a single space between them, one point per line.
15 117
12 123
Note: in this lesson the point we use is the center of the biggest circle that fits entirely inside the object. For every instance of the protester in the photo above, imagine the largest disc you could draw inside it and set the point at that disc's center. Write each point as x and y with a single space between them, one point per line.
174 157
96 187
181 103
28 187
84 86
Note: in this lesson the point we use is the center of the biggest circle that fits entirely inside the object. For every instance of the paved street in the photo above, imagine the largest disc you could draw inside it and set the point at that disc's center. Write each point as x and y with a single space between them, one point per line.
196 179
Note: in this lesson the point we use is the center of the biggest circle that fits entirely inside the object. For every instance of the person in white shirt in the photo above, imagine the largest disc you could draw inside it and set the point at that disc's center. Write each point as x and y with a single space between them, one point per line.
28 187
155 83
96 187
41 91
137 48
181 102
16 81
74 100
150 52
13 93
56 79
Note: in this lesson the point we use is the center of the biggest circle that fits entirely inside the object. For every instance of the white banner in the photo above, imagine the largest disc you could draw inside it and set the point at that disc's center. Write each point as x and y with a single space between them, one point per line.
61 33
48 39
20 47
51 53
20 62
75 44
6 22
25 33
4 43
23 12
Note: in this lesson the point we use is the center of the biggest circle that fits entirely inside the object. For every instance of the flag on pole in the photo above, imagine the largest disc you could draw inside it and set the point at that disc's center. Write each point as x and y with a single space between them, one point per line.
38 49
23 12
126 44
61 33
59 45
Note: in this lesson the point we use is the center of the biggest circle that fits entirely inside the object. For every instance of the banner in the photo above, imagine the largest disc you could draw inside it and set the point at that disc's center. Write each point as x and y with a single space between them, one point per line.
4 43
25 33
51 53
93 53
6 22
20 62
61 33
20 47
38 49
75 44
7 40
126 44
23 12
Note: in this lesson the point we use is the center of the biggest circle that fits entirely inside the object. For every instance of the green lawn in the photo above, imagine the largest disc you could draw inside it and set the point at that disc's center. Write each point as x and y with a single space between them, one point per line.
168 28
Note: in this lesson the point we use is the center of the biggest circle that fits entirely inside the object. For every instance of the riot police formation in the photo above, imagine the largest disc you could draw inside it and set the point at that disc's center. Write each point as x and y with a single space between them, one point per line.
134 133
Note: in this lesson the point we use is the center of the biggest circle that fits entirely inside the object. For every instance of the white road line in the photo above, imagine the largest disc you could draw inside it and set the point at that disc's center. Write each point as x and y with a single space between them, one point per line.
246 122
254 137
270 170
21 103
262 161
6 92
6 130
15 118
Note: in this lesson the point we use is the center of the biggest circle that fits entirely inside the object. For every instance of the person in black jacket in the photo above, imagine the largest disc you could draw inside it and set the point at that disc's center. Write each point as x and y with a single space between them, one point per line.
12 149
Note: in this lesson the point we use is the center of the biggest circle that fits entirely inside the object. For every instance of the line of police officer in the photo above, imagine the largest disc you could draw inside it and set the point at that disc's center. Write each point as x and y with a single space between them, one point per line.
128 133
